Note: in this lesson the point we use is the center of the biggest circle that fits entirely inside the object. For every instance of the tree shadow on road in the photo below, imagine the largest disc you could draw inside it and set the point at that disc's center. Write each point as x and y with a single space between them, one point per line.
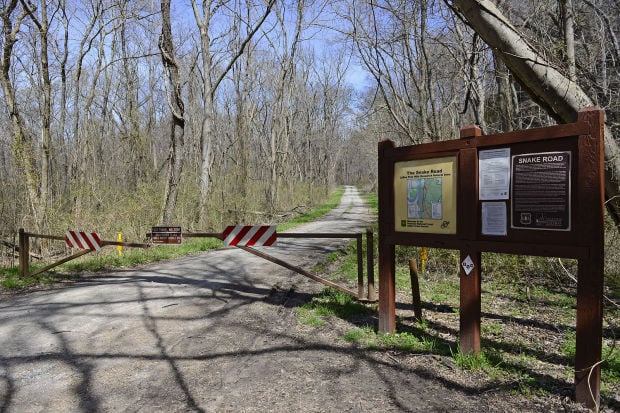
195 321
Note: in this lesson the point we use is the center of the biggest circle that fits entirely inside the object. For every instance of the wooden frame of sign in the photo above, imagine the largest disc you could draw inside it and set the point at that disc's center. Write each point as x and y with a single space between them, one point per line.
533 192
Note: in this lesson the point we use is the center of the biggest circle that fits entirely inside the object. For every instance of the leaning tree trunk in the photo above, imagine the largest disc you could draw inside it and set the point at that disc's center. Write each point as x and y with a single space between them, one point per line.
556 93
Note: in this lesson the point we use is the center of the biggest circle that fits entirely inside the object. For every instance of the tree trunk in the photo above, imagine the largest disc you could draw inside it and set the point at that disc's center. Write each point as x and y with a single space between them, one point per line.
569 37
81 107
131 124
46 111
177 123
557 94
63 163
22 141
505 96
43 198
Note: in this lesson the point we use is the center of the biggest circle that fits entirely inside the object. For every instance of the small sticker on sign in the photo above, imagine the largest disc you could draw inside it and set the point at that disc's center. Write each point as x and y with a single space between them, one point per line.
468 265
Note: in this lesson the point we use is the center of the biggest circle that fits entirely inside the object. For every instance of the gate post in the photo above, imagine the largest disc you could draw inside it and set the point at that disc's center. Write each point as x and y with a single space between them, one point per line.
370 263
360 268
469 318
590 273
387 288
470 268
24 253
387 251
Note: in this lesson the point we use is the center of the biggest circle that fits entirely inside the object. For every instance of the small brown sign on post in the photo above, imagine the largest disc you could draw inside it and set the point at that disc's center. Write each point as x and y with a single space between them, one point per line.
532 192
166 235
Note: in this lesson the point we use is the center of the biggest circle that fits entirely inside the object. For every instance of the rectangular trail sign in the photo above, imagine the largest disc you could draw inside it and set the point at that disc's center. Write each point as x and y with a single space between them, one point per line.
166 235
541 191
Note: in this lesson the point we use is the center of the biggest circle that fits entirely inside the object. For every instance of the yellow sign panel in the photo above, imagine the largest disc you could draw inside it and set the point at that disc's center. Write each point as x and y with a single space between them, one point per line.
425 195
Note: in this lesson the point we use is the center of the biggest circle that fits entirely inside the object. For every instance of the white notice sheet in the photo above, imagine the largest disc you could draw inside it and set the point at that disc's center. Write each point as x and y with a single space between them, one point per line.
494 219
494 174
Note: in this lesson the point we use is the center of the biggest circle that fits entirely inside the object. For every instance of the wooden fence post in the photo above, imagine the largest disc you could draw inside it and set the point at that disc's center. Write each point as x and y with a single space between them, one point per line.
360 267
387 251
24 253
590 275
370 263
415 289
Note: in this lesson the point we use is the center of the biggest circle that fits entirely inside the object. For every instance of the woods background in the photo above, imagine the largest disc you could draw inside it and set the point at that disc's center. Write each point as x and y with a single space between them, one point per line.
118 115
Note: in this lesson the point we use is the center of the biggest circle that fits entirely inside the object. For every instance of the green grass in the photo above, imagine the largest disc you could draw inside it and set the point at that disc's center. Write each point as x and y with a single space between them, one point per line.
405 341
358 334
610 369
474 362
10 279
412 343
569 347
364 336
329 303
373 201
492 328
610 357
447 292
514 287
309 316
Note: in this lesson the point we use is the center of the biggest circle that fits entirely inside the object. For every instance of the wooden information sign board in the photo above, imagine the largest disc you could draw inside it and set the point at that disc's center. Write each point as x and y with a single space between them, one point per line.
166 235
532 192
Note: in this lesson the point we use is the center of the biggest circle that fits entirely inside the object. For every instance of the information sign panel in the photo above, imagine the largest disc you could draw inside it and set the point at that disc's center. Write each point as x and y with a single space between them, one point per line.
494 218
425 195
166 235
493 173
541 191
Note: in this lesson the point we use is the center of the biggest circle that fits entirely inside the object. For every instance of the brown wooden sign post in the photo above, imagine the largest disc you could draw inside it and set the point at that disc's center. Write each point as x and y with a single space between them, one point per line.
532 192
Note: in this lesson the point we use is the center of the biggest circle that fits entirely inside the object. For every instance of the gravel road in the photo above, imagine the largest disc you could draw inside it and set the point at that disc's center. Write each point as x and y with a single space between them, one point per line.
213 332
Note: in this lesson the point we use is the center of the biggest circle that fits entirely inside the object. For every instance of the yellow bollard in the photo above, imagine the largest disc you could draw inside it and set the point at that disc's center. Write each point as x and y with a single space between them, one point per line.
423 258
119 238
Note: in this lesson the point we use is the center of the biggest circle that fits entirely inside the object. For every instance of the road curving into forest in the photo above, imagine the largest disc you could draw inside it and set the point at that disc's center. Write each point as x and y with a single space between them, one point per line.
212 332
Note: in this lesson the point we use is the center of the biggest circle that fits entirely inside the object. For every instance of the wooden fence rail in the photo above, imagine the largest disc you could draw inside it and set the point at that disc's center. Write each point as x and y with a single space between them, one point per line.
24 251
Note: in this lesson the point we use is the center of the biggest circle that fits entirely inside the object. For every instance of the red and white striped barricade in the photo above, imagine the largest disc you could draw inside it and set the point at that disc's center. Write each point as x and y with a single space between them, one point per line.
250 235
83 240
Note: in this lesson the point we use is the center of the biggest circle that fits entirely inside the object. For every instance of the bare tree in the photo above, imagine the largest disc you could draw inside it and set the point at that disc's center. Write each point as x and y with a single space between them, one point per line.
130 115
94 30
280 117
416 67
557 93
204 15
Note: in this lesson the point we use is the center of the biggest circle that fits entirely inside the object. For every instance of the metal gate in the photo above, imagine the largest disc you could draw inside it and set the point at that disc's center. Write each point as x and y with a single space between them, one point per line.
370 295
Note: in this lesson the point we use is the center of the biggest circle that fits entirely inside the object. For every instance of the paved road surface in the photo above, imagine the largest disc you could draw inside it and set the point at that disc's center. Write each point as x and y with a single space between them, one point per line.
214 332
161 338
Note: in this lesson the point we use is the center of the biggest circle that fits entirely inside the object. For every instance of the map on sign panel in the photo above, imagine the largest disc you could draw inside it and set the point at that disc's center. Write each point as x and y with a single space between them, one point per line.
424 198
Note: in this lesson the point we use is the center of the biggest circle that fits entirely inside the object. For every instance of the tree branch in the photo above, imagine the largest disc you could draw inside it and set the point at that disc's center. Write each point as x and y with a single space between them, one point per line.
242 47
